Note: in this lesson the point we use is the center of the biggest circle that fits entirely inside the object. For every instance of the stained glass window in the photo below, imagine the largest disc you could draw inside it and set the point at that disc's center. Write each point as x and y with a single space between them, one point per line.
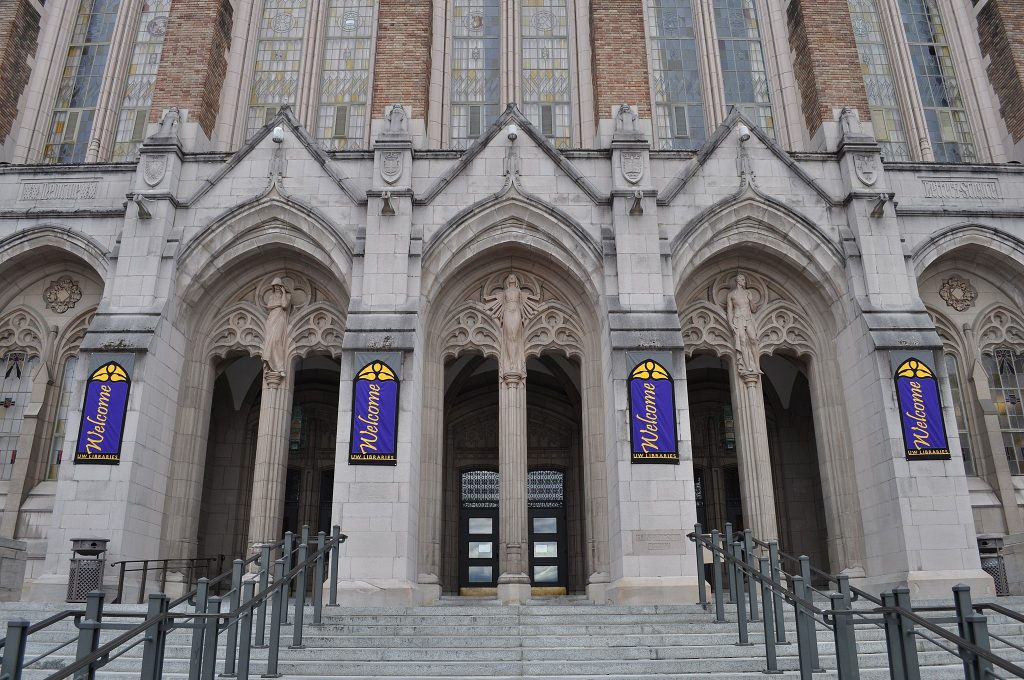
16 373
546 82
476 69
60 421
345 78
744 75
675 75
275 81
1006 379
138 86
480 489
960 410
944 113
79 89
879 80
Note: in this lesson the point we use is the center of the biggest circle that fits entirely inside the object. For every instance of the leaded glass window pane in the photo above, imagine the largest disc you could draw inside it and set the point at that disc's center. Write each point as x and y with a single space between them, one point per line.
675 75
944 113
79 90
60 425
345 78
138 86
476 69
545 488
275 81
960 410
744 75
546 82
16 373
879 80
1006 380
480 489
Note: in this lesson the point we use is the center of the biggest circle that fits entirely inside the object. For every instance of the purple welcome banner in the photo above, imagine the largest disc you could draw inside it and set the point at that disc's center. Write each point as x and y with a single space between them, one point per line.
652 414
374 416
924 428
103 414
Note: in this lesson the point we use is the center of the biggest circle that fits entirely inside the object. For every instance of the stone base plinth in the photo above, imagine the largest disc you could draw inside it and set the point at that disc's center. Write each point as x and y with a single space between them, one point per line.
932 585
514 588
428 589
654 590
13 556
376 593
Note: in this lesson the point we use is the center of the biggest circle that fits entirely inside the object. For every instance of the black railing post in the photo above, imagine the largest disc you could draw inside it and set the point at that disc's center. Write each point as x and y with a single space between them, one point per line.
212 625
202 597
300 599
89 632
716 575
803 642
907 637
14 649
277 610
245 631
163 577
808 594
261 617
318 578
741 611
977 627
120 585
780 614
845 637
142 583
964 608
153 647
771 659
234 595
699 549
728 550
893 643
751 559
335 556
289 546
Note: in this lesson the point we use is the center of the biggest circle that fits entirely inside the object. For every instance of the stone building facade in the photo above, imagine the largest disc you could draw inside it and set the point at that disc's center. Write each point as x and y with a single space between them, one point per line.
254 209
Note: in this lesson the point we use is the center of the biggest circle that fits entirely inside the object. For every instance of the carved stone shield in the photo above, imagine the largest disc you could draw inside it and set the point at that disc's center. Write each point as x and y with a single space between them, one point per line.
632 163
391 166
153 169
865 168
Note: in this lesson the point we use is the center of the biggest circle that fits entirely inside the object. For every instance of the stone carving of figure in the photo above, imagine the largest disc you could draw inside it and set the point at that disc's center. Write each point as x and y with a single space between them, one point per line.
396 120
625 119
740 311
512 307
168 124
849 121
275 338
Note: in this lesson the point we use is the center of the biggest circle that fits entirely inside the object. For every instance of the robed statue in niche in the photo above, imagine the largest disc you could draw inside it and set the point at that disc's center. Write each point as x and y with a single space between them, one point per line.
739 307
275 338
512 306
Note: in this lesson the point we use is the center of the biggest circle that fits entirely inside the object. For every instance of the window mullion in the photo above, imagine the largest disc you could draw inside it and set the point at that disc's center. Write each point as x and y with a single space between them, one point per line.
707 46
107 107
311 64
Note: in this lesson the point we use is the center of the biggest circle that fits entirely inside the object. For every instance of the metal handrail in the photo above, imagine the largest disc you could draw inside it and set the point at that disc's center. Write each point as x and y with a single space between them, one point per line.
190 565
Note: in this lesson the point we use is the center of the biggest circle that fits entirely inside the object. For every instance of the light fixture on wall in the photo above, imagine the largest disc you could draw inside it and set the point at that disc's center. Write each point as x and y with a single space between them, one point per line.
277 135
512 132
743 131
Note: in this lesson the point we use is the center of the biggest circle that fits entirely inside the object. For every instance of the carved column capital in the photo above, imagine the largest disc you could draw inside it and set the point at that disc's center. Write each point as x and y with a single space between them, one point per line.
273 378
513 379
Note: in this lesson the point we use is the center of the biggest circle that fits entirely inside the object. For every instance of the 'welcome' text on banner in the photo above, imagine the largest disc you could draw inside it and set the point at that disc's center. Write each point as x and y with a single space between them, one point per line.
103 415
924 429
652 414
374 416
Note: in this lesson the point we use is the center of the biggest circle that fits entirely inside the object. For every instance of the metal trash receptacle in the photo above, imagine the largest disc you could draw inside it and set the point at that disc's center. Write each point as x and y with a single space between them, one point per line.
990 548
87 565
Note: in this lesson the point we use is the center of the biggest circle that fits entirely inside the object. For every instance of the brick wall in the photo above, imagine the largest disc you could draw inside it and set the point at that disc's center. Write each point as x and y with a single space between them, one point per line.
826 62
1001 33
194 60
19 29
401 72
619 44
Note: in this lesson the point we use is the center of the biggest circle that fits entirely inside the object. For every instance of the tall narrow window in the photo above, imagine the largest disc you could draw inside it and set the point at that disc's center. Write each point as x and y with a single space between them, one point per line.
675 76
476 69
944 113
960 410
79 90
138 86
275 81
744 74
546 82
879 80
60 419
1006 380
16 373
345 78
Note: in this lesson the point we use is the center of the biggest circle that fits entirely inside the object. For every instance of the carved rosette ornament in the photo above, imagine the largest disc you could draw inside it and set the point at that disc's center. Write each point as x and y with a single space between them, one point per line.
62 294
958 293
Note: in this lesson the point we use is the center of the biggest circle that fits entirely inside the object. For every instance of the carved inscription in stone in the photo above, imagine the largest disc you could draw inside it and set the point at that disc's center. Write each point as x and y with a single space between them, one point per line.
658 543
976 189
59 191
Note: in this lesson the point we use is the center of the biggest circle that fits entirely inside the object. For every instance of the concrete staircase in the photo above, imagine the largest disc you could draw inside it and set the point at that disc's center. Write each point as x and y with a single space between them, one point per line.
559 639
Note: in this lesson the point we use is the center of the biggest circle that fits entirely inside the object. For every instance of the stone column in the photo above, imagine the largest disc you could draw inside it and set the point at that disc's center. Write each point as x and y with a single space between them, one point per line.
268 478
514 582
756 488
